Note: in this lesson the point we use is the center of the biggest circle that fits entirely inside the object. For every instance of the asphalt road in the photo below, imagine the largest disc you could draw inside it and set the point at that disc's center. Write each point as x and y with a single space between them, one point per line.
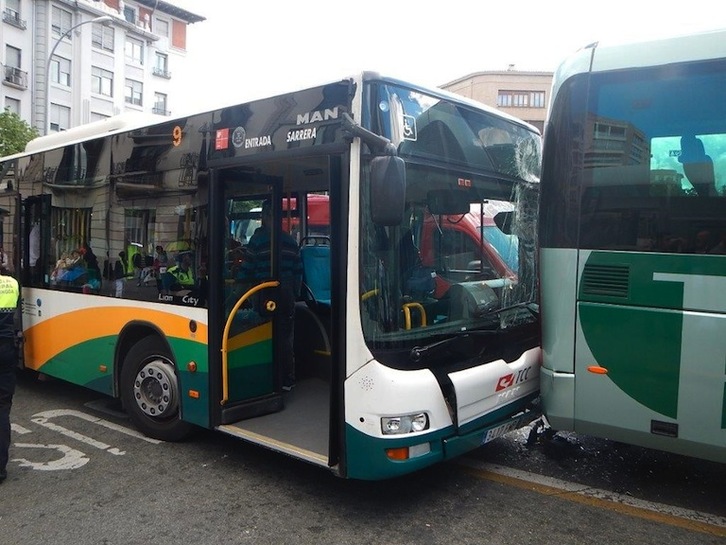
83 476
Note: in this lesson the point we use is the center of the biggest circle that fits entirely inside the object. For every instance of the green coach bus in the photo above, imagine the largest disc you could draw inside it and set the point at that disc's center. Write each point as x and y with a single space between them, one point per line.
633 245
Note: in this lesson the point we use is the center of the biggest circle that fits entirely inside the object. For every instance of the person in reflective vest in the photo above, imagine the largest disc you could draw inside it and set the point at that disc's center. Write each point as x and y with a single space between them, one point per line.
182 273
9 297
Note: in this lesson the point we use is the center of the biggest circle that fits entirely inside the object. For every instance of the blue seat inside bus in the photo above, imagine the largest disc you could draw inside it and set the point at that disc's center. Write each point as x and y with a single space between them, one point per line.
316 273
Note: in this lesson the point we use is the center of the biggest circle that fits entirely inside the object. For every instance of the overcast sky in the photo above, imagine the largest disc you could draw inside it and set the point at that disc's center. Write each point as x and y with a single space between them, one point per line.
247 49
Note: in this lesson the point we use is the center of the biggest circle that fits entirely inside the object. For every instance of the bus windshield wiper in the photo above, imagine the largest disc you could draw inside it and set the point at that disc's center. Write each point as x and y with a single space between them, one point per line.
419 352
524 304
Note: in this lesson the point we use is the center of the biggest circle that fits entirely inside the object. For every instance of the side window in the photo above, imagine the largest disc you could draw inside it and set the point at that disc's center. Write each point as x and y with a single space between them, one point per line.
459 252
653 167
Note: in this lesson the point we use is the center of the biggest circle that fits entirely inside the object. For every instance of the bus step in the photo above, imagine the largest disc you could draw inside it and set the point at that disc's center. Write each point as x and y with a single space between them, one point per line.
242 410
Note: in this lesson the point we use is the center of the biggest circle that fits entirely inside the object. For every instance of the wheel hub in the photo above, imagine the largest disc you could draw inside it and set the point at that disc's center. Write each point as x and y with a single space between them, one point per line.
155 389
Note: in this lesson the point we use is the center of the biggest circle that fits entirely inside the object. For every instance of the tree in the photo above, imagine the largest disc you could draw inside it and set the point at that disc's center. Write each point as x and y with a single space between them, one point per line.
14 133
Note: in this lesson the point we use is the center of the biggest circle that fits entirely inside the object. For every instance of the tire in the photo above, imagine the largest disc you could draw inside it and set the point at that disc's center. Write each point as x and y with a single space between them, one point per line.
150 391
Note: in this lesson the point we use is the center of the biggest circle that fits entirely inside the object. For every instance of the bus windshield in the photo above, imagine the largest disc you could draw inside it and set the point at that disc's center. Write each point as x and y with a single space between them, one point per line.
434 276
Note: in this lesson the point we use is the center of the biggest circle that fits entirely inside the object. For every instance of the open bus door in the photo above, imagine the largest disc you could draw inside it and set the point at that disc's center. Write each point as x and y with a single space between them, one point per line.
254 404
250 377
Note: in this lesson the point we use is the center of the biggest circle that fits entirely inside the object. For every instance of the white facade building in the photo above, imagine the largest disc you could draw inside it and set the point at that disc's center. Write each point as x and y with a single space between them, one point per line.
61 69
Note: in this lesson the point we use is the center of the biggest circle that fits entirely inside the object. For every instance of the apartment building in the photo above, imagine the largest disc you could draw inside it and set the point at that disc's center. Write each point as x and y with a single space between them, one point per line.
70 62
522 94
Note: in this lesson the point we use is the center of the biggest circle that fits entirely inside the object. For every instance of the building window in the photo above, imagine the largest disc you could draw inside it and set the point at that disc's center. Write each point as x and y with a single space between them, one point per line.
13 73
101 81
130 14
134 92
161 28
103 37
12 105
95 116
60 117
11 14
62 21
60 71
521 99
161 66
160 104
134 50
12 56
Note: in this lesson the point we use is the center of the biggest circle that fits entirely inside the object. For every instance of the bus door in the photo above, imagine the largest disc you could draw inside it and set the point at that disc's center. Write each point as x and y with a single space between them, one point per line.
36 237
251 377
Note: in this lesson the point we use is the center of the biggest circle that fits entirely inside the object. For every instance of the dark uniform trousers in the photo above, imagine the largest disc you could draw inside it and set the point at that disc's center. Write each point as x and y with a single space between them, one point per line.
9 295
8 368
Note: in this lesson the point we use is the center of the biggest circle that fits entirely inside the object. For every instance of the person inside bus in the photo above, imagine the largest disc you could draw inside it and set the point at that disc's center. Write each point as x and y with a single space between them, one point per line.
697 166
256 268
182 274
93 270
161 263
34 249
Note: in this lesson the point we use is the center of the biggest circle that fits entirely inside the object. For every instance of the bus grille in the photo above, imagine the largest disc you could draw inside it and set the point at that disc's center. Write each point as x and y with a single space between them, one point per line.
606 280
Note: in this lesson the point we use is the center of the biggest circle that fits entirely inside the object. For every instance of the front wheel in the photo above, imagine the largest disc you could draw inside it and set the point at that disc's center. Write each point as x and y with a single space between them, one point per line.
150 391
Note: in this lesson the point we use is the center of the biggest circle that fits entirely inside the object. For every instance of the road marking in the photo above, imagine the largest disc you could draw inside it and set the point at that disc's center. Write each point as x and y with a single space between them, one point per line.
17 428
72 458
43 418
696 521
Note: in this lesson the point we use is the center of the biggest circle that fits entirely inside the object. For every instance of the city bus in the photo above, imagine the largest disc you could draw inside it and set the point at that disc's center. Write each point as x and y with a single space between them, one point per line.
633 245
390 376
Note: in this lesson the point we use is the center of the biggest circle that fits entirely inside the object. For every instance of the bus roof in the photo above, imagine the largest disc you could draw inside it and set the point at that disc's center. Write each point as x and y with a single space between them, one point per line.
605 56
118 123
135 120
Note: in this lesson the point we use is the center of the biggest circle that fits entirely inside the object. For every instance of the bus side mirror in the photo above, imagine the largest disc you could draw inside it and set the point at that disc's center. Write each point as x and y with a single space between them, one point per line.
388 190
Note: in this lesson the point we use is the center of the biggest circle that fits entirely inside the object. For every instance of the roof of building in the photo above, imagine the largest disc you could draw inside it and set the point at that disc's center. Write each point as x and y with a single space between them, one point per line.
499 73
172 10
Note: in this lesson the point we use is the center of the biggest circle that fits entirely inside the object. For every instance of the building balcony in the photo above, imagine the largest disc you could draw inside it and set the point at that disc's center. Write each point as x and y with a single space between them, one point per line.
160 110
15 77
161 72
12 17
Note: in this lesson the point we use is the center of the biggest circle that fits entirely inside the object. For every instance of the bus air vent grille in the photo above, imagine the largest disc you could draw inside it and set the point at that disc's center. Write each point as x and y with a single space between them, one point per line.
606 280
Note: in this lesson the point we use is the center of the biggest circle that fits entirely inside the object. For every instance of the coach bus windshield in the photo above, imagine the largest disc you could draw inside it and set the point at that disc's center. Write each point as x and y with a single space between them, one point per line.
433 277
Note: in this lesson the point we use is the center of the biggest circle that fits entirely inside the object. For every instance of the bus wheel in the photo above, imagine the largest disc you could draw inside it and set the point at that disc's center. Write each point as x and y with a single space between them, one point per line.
150 391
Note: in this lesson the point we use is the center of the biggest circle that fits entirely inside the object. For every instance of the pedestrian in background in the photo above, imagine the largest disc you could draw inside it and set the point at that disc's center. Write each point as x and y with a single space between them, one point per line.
9 298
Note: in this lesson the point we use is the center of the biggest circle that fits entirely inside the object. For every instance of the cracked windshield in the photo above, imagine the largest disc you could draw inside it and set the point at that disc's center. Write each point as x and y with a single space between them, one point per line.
461 261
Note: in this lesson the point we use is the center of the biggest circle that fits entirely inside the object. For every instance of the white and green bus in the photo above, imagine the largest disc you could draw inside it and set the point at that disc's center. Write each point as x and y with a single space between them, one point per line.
633 245
398 365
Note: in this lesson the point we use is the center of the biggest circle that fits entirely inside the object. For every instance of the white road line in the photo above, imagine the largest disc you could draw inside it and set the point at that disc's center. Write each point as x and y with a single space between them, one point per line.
17 428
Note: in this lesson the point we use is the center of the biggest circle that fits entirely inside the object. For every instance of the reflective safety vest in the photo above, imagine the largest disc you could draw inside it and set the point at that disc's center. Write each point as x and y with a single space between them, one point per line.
185 278
9 296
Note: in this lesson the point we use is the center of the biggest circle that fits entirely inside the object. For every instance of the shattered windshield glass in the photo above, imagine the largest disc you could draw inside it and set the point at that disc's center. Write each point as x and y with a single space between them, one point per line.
462 260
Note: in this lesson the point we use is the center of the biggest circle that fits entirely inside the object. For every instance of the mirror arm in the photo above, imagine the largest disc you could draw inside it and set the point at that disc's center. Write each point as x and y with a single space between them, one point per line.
378 144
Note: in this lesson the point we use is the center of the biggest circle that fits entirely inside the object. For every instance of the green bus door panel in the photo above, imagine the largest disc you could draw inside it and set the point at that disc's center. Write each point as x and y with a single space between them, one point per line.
249 357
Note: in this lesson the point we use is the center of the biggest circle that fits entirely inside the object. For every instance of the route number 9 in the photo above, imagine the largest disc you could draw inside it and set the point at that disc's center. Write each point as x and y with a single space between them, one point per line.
176 135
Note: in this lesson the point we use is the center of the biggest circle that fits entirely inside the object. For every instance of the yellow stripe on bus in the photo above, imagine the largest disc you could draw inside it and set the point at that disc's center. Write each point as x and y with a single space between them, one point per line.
253 336
59 333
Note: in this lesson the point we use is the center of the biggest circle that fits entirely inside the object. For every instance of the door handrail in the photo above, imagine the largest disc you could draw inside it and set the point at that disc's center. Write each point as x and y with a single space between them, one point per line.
225 336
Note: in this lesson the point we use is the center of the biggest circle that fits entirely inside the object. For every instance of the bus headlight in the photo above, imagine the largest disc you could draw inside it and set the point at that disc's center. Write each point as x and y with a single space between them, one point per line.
410 423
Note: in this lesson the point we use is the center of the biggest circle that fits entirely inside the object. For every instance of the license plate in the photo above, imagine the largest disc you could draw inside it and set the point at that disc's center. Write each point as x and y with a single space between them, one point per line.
500 430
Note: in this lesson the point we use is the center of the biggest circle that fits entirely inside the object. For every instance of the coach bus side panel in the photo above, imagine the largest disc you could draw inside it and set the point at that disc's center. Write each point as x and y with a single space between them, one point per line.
665 361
